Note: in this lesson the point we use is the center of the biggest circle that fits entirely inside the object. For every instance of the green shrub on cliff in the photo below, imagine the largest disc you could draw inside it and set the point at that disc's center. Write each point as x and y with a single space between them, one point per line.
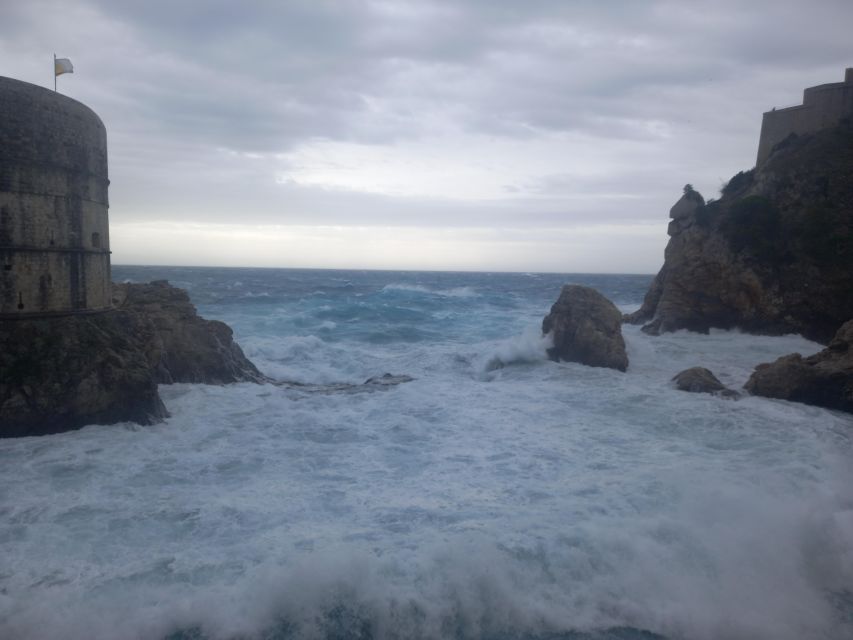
826 238
753 227
739 181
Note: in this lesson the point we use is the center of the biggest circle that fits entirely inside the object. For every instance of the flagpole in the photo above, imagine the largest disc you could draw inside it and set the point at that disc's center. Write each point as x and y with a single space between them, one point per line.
54 70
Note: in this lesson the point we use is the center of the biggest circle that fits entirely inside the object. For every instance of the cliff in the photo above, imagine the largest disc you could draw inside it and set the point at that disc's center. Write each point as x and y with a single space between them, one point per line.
773 255
192 349
61 373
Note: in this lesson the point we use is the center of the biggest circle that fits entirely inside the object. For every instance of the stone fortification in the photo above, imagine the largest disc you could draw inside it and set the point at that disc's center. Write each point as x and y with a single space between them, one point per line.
54 235
824 106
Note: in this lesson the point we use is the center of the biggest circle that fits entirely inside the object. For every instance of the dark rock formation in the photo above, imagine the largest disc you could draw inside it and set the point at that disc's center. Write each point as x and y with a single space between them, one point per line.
586 328
774 255
701 380
824 379
64 372
193 349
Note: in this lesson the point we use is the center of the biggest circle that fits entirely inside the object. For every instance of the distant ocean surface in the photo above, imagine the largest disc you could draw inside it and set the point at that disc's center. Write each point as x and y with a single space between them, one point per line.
497 495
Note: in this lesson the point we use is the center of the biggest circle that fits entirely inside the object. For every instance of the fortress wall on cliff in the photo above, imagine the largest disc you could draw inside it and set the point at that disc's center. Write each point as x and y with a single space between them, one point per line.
54 233
823 106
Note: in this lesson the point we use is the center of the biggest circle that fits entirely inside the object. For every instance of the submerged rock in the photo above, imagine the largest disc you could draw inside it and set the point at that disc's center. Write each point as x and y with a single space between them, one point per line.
62 373
701 380
586 328
824 379
388 380
375 383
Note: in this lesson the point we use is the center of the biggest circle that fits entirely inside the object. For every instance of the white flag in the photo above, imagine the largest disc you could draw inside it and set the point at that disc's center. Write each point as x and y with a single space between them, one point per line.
62 65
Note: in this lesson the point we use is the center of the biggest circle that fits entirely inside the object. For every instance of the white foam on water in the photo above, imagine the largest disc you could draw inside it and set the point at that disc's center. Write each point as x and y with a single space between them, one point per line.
542 497
453 292
531 346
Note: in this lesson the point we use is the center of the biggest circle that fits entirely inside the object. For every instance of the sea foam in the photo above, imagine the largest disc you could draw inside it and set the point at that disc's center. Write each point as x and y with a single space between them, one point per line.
534 499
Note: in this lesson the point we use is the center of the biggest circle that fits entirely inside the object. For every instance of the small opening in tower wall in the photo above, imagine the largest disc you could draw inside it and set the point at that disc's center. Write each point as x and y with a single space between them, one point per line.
96 240
7 267
20 300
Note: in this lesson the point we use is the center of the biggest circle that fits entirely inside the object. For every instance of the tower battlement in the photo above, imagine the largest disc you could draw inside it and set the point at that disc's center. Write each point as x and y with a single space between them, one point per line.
823 106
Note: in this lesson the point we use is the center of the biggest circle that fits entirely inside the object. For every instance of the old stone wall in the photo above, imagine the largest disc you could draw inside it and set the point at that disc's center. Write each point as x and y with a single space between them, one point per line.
54 233
824 106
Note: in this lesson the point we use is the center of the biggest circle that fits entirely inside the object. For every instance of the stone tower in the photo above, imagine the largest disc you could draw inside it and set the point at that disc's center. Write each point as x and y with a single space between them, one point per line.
824 106
54 233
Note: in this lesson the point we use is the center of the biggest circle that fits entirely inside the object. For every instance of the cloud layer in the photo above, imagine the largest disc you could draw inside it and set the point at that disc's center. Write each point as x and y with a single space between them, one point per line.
543 118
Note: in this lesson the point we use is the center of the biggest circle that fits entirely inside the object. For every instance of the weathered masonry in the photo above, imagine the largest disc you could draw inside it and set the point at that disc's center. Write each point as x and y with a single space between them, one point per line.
823 106
54 234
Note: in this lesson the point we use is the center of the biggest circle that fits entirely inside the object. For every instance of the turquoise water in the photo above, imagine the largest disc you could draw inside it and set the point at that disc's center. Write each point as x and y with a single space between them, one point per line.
496 495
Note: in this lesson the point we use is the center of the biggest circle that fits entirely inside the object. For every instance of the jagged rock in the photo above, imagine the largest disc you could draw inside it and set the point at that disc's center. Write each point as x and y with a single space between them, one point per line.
684 211
701 380
586 328
824 379
774 255
62 373
193 349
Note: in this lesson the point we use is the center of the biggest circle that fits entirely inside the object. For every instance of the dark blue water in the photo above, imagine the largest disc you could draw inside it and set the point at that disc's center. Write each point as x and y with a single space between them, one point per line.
382 306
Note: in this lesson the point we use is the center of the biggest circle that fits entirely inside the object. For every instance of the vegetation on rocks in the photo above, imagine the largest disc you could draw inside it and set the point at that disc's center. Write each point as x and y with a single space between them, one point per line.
773 255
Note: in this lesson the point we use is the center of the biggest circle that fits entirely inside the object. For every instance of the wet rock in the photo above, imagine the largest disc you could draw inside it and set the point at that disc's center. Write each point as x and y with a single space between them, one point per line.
701 380
824 379
375 383
62 373
586 328
58 374
193 349
388 380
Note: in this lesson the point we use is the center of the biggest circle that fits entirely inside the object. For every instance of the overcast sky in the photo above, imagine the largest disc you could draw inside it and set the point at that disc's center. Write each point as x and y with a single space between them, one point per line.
514 135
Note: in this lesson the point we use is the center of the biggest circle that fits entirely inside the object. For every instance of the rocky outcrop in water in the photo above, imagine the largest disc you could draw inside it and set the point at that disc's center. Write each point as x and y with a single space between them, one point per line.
824 379
586 328
701 380
192 349
773 255
64 372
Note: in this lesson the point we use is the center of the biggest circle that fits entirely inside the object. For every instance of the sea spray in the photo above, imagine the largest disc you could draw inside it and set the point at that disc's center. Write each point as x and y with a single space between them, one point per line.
531 346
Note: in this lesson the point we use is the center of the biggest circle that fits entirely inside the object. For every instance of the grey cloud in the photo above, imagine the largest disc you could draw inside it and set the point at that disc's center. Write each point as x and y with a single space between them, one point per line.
270 75
178 82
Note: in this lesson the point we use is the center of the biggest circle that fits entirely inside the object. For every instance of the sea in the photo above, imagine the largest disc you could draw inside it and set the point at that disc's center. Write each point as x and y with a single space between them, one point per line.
496 495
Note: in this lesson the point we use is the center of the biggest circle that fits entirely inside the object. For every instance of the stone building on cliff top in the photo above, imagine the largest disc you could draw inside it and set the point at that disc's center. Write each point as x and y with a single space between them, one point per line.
54 233
824 106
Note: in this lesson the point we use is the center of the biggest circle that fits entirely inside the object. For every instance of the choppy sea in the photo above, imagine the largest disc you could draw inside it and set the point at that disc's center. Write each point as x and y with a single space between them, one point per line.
497 495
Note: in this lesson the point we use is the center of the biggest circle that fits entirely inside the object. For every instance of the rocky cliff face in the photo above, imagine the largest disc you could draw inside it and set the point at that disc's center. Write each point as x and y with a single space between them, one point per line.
62 373
192 349
773 255
65 372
